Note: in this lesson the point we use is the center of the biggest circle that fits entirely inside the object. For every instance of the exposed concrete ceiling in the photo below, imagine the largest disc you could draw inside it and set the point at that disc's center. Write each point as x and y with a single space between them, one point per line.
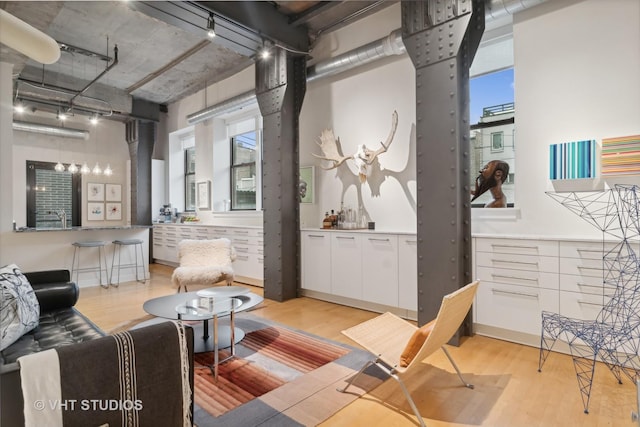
163 52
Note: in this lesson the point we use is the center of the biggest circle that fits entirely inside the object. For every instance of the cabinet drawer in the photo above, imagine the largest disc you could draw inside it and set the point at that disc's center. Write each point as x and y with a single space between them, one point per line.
518 277
518 262
581 284
582 267
517 308
518 246
580 306
585 250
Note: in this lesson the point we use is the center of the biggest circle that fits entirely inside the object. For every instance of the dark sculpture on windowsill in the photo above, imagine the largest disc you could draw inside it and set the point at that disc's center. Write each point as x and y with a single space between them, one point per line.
491 178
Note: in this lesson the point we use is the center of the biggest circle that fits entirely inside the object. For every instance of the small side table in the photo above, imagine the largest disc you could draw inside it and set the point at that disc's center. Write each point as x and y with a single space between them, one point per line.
205 309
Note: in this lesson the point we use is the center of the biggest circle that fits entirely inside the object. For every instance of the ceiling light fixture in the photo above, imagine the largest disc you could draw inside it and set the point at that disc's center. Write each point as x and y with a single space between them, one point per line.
19 108
265 51
94 119
108 171
211 26
73 168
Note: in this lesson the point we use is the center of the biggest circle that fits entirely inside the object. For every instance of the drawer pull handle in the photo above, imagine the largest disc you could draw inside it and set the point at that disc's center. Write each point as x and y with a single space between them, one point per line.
580 284
589 268
494 245
589 303
411 242
242 249
520 294
316 236
506 261
378 240
241 232
593 251
243 258
501 276
345 237
242 240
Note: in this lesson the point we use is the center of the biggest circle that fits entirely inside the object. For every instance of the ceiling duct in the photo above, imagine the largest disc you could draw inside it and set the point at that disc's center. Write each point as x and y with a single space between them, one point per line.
51 130
382 48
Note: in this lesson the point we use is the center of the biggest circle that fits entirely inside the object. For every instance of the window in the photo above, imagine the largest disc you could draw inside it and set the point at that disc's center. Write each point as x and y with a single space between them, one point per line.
493 128
190 179
244 157
497 143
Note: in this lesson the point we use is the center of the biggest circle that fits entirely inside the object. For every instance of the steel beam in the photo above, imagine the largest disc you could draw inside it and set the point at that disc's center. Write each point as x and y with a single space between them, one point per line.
441 38
280 89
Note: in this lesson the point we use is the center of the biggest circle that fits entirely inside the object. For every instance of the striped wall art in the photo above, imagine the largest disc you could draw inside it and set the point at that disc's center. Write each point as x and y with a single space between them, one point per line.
572 160
621 156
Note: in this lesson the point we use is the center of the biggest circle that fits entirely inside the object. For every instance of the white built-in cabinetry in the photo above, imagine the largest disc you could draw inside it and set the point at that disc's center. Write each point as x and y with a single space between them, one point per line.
361 268
247 241
520 277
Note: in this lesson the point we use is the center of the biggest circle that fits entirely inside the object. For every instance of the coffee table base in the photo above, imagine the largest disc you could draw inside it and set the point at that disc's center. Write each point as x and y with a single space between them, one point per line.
200 345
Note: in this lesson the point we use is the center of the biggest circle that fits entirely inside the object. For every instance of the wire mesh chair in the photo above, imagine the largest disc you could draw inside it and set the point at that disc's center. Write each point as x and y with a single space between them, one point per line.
614 336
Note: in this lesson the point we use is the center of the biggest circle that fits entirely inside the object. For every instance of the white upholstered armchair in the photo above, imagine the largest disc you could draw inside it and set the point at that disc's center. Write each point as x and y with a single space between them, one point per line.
204 262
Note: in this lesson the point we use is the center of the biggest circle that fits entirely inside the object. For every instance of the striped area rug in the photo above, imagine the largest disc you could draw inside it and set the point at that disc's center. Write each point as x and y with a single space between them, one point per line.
278 374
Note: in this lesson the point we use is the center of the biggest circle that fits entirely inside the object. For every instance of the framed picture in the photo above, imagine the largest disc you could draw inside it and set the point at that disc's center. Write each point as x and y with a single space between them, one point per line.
204 195
95 211
95 192
113 211
113 192
307 184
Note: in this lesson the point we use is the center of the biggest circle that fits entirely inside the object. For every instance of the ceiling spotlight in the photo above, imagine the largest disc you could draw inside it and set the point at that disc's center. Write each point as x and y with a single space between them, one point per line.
265 52
19 108
94 119
61 116
211 26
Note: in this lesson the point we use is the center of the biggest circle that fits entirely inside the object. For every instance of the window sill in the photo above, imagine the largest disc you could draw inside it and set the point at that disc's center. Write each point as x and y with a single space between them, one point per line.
495 214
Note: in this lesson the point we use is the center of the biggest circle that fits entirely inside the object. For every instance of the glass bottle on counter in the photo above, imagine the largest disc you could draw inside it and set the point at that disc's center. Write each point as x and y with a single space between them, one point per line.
326 222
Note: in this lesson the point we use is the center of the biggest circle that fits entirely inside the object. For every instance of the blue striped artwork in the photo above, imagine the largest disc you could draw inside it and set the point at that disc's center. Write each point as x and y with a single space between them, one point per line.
572 160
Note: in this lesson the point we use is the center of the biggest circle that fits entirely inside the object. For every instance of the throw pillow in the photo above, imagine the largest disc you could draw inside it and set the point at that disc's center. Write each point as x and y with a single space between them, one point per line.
415 343
19 307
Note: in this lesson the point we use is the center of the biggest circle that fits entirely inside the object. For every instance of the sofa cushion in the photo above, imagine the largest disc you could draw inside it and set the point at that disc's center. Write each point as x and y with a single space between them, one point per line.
19 307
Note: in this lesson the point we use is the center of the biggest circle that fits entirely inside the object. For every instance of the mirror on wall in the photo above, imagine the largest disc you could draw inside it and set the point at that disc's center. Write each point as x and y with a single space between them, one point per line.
52 196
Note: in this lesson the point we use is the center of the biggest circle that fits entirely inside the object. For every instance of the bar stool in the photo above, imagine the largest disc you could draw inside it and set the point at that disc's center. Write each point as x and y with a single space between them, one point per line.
101 256
117 247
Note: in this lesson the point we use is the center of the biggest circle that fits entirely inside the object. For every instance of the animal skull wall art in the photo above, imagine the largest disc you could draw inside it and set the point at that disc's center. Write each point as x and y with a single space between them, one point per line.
363 156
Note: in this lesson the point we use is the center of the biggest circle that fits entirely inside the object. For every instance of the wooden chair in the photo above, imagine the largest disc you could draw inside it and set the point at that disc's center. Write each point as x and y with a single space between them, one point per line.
399 345
204 262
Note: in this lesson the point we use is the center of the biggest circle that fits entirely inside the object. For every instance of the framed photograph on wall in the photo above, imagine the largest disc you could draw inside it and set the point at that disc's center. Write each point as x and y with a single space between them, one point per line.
113 211
113 193
204 195
95 211
307 184
95 192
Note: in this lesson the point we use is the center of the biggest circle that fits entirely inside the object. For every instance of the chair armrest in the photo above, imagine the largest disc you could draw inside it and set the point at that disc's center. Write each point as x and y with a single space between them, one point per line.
53 289
48 276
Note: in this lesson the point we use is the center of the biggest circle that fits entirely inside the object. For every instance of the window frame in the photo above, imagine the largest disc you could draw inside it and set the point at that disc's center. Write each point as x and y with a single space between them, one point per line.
254 165
189 174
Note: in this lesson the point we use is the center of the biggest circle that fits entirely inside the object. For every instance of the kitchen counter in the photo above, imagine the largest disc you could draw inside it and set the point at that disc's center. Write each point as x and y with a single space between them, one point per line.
104 227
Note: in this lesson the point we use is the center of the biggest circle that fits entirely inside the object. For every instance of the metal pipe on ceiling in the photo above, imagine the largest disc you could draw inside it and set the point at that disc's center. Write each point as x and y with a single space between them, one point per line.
51 130
381 48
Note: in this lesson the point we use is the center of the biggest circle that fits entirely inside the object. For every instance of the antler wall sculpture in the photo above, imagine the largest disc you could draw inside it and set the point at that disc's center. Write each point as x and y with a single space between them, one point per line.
362 158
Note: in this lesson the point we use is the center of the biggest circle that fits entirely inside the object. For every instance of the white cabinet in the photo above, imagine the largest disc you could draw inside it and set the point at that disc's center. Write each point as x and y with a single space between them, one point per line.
518 280
346 265
371 270
316 261
408 272
380 269
247 241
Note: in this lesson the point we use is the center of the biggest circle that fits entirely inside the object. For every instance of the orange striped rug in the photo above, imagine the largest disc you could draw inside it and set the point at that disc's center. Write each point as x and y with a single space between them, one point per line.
241 380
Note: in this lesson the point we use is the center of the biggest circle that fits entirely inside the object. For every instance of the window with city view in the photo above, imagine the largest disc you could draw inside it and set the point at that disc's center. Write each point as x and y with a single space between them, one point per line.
492 112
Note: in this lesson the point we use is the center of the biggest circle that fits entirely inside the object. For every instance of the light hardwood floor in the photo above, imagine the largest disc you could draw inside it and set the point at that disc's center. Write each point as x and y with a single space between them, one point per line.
508 392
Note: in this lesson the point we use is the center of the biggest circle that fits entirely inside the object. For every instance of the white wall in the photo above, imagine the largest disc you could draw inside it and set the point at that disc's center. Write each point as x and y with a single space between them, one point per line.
106 144
576 77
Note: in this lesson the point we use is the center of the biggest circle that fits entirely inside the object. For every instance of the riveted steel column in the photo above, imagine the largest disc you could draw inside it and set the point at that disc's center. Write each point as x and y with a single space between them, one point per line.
280 89
441 37
141 137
